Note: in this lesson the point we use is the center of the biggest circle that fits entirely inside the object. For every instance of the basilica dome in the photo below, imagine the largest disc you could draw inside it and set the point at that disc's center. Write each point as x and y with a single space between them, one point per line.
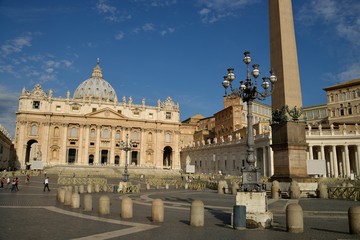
95 87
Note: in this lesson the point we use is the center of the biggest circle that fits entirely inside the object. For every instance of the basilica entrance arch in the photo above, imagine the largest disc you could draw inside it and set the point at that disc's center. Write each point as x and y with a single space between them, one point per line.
33 152
104 157
167 157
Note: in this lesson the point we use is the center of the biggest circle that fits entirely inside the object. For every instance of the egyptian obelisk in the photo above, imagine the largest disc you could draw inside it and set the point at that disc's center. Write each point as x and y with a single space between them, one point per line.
288 133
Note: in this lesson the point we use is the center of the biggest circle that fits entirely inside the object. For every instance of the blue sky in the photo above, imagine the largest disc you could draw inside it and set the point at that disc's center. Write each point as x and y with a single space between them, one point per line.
153 49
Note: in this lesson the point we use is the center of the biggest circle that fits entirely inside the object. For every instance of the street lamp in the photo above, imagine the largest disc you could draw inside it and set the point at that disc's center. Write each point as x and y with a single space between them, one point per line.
126 146
248 92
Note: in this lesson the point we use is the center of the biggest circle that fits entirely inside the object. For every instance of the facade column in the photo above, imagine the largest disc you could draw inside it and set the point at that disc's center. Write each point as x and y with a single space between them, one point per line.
21 145
86 149
80 154
347 161
336 169
332 165
143 146
97 146
45 143
112 145
64 143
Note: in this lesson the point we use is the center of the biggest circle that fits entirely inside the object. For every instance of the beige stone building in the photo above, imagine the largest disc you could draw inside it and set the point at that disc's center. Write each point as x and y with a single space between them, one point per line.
333 138
6 149
90 128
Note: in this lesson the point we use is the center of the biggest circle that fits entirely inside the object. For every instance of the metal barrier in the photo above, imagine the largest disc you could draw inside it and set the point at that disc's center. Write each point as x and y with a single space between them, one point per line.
350 193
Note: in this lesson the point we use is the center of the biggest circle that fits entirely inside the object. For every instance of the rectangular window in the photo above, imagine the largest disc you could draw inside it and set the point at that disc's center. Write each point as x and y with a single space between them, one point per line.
36 104
119 111
168 115
58 108
151 115
94 110
75 108
136 113
92 144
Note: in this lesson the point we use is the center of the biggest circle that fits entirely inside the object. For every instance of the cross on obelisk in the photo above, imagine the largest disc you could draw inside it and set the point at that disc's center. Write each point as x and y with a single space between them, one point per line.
288 133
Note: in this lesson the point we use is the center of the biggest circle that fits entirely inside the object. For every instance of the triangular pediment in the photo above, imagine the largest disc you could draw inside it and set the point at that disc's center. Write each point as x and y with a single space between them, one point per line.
107 113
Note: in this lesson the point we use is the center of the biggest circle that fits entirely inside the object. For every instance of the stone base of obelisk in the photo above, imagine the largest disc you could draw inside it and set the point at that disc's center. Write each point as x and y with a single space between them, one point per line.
257 214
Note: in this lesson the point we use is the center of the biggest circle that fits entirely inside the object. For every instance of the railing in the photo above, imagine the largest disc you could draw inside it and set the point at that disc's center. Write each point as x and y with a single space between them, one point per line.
350 193
81 181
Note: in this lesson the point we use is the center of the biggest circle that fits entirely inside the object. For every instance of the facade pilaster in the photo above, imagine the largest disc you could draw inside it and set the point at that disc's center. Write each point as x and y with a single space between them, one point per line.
63 147
45 136
87 143
336 169
357 160
112 145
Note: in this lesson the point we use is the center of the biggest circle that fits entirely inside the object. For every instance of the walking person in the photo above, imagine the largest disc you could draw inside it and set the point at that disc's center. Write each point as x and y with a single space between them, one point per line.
17 183
13 185
3 181
8 181
46 184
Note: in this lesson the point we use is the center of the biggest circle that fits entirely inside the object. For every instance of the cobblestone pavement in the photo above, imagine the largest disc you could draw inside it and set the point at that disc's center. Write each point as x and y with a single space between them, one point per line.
31 213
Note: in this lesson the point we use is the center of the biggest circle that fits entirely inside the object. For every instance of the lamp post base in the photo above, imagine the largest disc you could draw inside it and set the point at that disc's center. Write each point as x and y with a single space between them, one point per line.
251 180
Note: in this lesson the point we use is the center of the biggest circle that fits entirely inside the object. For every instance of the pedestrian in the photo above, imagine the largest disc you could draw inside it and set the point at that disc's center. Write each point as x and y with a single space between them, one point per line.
8 181
17 183
13 185
46 184
3 181
27 178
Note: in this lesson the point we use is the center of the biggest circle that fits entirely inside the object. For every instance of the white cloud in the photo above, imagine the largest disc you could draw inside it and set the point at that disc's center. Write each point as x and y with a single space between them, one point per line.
120 35
215 10
351 72
342 16
15 45
148 27
167 31
111 12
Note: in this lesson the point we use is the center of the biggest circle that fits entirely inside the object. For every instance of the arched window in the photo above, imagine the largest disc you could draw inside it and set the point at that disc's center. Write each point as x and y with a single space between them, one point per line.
34 130
92 133
135 135
117 135
105 133
73 132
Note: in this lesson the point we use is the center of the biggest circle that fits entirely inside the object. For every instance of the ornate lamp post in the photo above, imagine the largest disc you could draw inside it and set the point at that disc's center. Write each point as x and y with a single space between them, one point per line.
248 92
126 146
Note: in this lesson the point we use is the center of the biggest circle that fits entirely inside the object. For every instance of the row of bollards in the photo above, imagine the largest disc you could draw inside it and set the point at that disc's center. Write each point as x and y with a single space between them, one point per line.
295 219
294 212
68 197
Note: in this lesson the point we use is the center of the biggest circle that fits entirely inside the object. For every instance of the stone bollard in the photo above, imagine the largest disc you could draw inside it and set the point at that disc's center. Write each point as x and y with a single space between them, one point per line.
75 200
70 188
197 214
354 219
76 189
81 189
235 187
147 186
166 186
157 211
294 218
275 187
97 188
61 196
104 205
68 195
322 191
186 186
126 208
88 202
294 190
89 188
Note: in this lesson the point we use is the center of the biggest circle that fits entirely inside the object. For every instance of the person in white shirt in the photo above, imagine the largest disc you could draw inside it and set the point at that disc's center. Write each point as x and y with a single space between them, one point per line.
46 184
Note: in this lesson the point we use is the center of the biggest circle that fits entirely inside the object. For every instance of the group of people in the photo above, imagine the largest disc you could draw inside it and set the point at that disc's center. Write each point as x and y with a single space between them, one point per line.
15 183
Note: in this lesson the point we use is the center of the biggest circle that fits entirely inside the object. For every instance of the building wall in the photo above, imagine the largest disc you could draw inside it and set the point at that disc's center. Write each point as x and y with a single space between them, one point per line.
6 149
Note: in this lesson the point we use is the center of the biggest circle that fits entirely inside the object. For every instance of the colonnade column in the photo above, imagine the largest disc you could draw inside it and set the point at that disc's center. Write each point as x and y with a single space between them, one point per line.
311 153
322 153
347 161
357 160
271 161
336 170
264 153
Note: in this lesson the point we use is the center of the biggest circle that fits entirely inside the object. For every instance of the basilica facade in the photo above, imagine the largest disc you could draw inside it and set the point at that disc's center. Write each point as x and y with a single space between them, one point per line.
93 128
